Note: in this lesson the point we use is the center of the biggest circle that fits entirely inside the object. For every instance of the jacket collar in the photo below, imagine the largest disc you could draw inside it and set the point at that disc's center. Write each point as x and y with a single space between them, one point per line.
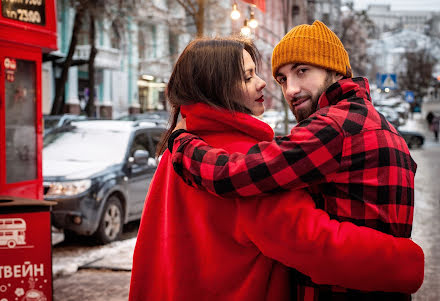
202 118
344 89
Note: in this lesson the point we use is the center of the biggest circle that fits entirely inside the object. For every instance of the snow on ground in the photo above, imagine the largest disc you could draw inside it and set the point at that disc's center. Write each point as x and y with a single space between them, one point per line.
68 260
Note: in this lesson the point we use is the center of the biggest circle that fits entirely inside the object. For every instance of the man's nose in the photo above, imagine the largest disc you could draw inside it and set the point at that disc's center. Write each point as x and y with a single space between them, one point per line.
292 89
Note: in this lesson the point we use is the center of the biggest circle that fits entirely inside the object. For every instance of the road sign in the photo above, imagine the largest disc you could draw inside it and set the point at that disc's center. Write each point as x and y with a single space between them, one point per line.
388 80
409 96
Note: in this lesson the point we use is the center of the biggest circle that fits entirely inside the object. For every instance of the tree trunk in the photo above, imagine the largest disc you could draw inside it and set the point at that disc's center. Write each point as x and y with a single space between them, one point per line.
286 21
58 102
200 18
90 107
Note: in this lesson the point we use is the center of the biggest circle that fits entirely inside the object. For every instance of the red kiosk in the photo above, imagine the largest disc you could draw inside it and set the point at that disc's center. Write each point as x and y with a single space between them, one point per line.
27 30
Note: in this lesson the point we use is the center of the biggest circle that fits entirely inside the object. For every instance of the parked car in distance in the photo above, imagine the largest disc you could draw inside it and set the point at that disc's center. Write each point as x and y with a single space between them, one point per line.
280 129
412 138
98 172
52 122
158 117
272 117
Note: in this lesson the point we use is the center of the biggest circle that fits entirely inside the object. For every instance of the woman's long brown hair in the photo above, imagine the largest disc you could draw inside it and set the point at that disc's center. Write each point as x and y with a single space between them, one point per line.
209 70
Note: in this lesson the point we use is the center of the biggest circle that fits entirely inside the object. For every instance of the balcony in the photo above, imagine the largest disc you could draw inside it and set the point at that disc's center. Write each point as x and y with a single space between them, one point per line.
157 67
107 58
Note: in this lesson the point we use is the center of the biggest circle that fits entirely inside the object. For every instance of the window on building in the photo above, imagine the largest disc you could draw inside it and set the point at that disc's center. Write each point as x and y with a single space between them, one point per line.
173 43
295 11
153 41
84 32
115 36
141 44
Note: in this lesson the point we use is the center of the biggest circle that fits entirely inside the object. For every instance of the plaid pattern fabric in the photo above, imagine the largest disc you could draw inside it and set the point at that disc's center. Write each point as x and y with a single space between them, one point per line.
353 161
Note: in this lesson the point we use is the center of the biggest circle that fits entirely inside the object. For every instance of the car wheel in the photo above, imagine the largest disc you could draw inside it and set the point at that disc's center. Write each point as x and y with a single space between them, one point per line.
415 142
110 226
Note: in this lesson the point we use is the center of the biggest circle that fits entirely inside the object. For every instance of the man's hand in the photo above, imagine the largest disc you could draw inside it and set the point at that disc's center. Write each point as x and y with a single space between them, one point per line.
181 125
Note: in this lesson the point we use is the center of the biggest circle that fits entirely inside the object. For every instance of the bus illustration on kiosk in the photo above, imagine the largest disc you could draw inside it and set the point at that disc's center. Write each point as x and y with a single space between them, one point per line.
12 232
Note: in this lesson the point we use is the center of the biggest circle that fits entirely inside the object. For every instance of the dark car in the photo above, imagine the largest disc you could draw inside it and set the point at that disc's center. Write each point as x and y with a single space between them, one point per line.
99 172
413 139
53 122
159 117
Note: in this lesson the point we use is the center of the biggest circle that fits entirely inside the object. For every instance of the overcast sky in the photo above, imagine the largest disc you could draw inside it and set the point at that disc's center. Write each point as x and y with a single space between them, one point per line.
433 5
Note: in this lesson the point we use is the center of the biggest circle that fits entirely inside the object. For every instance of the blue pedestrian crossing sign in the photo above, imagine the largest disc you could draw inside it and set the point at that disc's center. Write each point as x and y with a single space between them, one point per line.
409 96
388 80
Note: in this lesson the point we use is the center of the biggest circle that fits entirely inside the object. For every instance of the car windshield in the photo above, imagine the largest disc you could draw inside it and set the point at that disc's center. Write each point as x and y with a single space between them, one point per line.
50 123
86 145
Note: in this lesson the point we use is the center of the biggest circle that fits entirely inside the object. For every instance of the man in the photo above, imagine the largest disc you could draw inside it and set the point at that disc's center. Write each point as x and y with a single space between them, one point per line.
354 163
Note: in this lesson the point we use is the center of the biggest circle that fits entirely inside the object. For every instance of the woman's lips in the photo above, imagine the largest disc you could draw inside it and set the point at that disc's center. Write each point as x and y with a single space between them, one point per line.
261 99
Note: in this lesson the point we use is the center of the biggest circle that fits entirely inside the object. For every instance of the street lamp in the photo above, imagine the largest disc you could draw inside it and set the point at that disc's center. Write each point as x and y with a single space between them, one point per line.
245 30
253 23
235 14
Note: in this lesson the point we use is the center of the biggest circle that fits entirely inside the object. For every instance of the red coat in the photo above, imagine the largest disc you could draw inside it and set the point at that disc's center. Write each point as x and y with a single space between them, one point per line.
193 245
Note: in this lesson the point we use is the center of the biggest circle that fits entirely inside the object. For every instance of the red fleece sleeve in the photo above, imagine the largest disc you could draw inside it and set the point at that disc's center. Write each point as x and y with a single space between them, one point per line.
290 229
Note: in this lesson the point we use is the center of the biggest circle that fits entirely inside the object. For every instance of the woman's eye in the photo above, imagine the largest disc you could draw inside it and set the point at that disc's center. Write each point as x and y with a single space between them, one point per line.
248 79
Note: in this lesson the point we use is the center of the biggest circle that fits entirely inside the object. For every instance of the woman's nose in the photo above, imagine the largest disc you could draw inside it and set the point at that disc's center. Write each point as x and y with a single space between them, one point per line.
261 84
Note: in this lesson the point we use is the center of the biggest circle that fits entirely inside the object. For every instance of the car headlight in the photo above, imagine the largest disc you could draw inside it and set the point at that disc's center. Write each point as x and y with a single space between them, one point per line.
68 188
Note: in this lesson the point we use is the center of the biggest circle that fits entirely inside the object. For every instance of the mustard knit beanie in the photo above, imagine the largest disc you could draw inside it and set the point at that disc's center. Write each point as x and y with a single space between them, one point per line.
312 44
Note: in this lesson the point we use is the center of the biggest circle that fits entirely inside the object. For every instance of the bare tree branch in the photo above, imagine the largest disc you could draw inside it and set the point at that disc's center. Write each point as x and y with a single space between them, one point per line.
188 9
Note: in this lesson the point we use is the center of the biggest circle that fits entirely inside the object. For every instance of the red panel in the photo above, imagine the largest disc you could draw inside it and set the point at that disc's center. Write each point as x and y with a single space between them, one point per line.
44 37
25 256
261 4
32 189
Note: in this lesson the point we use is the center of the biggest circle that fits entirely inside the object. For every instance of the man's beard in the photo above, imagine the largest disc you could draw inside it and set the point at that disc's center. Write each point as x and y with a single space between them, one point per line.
304 113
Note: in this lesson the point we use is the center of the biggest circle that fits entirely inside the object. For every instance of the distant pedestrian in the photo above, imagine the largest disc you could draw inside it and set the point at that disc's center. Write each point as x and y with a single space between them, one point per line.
435 126
429 118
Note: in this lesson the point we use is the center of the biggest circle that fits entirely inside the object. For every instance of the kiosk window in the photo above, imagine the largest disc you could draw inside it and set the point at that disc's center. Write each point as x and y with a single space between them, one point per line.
20 109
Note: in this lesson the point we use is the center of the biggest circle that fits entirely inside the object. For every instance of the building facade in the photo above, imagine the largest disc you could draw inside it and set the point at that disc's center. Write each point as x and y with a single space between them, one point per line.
133 62
386 19
136 53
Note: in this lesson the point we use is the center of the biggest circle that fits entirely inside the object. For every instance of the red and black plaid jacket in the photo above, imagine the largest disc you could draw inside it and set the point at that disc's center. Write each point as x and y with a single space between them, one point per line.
354 162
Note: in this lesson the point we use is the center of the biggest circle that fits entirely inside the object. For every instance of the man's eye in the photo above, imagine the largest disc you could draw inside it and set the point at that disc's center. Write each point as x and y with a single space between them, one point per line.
281 80
302 70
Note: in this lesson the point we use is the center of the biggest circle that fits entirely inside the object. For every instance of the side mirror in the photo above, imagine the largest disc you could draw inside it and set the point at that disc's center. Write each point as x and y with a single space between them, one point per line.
140 157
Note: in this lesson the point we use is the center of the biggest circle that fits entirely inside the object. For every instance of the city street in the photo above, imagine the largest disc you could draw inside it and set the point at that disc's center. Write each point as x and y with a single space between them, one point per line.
427 209
86 272
88 91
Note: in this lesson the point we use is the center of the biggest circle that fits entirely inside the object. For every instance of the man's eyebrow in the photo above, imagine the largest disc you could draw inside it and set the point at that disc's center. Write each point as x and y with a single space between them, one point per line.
293 67
278 74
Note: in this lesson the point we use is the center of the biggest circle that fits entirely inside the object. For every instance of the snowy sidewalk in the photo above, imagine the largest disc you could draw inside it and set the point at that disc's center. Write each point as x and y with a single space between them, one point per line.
96 273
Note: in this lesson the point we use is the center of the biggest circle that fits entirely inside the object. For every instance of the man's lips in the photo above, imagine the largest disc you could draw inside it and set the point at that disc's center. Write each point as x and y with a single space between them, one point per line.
299 101
261 99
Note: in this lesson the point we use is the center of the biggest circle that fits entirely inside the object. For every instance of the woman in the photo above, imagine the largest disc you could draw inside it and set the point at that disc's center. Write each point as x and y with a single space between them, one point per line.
195 246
